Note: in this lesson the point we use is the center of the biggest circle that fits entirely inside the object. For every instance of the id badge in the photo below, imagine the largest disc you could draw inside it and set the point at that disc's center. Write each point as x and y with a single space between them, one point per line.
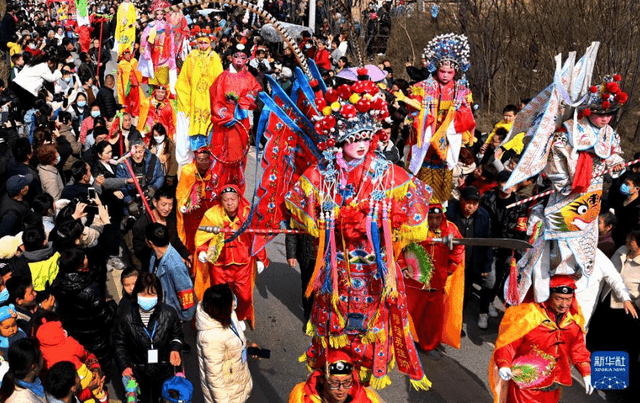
153 356
244 355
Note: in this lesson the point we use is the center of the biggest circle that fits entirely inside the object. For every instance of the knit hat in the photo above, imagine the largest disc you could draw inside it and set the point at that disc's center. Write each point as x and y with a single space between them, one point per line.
7 311
9 245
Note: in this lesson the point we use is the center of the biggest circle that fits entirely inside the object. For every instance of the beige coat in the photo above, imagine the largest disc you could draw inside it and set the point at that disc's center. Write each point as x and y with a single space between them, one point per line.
51 181
21 395
223 376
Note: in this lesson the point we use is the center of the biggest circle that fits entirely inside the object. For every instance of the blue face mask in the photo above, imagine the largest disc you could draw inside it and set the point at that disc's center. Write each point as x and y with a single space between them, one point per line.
4 295
95 114
82 104
625 189
147 303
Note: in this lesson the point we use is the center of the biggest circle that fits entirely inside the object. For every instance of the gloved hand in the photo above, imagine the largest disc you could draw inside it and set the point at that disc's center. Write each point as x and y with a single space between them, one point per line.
259 267
202 257
505 373
150 192
183 209
133 208
588 387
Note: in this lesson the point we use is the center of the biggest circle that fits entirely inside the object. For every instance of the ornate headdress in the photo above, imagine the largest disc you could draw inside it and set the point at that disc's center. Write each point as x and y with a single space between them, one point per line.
450 48
200 33
606 97
159 5
351 113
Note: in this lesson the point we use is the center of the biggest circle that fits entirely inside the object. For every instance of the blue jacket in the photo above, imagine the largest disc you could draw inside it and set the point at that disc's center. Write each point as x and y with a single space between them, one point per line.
482 255
177 287
155 181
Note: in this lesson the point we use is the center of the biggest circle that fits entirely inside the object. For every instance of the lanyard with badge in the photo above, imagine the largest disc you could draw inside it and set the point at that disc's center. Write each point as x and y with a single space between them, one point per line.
152 354
244 348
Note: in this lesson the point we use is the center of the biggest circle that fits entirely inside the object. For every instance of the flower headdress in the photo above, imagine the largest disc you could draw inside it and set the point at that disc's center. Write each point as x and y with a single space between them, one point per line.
201 33
606 97
450 48
351 113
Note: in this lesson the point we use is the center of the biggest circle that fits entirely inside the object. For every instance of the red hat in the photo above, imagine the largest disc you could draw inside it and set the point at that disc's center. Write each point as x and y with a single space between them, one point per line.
562 284
230 189
435 208
338 362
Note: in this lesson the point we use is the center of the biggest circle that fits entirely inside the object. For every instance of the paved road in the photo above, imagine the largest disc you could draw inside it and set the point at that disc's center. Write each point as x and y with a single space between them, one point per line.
459 376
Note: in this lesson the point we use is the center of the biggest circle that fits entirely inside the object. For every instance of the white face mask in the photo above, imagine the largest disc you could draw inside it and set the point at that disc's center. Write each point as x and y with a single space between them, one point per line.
58 159
91 180
159 139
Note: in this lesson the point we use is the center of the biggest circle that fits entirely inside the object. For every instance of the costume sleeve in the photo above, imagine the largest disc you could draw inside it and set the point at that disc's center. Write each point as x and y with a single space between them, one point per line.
557 168
456 256
580 356
504 355
183 86
615 158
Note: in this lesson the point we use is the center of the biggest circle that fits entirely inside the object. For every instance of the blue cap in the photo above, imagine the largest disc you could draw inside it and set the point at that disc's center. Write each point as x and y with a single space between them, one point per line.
17 182
7 311
181 385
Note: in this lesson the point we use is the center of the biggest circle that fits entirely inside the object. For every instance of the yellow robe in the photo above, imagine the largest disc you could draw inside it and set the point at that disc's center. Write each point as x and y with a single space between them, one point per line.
125 69
198 72
125 35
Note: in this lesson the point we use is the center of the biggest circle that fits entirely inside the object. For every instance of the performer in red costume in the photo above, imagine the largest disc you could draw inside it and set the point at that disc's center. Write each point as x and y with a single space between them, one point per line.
233 95
232 263
158 109
543 339
426 295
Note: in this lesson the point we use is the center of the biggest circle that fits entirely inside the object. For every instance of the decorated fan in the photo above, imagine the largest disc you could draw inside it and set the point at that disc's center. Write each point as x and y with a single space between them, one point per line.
419 264
532 370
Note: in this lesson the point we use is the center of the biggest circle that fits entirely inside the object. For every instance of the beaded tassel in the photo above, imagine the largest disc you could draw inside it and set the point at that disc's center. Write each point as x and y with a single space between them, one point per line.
375 238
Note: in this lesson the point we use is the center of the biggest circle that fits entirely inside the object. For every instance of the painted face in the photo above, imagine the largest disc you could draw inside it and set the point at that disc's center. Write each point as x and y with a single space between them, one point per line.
446 74
560 303
576 215
203 44
356 150
239 60
600 121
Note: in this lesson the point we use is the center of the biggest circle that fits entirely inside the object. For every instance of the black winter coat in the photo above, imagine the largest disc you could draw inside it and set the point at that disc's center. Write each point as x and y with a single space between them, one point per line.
505 223
107 102
482 255
131 343
84 311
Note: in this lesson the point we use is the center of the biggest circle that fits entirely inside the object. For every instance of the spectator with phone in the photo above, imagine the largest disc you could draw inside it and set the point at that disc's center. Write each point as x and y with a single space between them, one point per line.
222 348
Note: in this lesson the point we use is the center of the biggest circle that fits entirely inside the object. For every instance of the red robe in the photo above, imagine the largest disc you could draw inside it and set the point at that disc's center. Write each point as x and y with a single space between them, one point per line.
235 265
564 340
427 306
229 145
307 392
157 112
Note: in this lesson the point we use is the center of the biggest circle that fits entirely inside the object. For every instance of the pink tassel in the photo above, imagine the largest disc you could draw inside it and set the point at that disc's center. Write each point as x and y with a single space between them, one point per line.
369 224
513 297
334 262
391 265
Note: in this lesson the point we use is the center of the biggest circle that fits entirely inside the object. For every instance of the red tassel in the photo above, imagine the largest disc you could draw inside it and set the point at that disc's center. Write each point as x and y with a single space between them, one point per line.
584 170
513 298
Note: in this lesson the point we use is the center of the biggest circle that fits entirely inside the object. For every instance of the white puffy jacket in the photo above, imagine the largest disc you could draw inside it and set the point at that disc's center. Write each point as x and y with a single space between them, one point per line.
223 376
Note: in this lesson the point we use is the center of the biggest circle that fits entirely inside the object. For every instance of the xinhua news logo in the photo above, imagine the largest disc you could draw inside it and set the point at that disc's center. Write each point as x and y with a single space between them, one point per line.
610 370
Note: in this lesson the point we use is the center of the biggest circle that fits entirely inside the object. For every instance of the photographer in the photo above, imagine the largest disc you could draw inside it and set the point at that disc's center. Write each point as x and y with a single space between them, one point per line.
260 63
148 171
82 181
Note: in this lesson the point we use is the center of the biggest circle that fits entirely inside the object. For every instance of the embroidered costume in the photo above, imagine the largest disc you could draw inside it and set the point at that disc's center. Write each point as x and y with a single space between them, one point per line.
157 53
125 35
573 157
198 72
361 210
157 109
129 78
443 122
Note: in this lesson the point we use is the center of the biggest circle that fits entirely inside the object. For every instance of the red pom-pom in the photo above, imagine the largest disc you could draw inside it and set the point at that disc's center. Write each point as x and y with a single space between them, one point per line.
606 104
605 95
382 135
613 88
319 127
196 29
313 83
348 111
586 112
358 87
363 106
328 122
322 146
321 103
621 97
344 91
362 71
331 142
593 89
617 77
331 96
